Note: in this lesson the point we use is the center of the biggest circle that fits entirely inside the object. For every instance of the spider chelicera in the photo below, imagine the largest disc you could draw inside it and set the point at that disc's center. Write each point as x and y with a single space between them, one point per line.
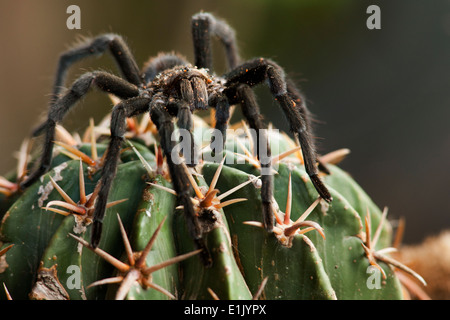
167 87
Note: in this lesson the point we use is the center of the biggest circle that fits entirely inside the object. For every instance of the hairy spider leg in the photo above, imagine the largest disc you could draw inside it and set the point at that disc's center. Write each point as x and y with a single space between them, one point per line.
97 46
203 25
259 70
222 116
161 62
94 47
299 101
180 180
250 110
122 55
186 105
124 109
102 80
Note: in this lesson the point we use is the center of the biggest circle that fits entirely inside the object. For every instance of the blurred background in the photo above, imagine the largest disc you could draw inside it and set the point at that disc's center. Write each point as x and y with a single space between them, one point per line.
384 94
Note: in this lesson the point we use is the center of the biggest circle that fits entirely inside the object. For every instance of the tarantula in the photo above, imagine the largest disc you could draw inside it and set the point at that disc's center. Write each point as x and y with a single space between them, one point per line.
168 87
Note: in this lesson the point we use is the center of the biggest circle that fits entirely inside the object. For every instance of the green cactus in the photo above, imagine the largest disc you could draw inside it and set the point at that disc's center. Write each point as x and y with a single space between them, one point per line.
317 250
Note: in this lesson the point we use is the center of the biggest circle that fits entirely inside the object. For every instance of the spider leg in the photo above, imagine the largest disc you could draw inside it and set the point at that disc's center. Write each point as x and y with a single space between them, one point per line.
222 116
125 109
185 123
203 26
299 101
259 70
180 180
102 80
96 46
161 62
250 110
193 95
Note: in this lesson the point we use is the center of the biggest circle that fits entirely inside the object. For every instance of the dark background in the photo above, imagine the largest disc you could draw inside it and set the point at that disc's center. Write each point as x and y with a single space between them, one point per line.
382 93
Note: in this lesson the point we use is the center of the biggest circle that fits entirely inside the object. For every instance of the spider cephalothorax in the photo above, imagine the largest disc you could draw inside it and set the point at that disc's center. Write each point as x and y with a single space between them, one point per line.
167 80
167 87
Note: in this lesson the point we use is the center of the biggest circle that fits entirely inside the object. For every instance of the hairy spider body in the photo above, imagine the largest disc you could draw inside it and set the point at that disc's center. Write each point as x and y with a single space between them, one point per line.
168 87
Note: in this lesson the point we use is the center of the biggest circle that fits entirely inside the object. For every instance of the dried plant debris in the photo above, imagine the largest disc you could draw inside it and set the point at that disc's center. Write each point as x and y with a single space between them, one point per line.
431 259
47 286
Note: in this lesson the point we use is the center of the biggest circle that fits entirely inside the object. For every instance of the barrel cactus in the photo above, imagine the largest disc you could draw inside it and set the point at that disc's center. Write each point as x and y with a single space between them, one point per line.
317 250
159 241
